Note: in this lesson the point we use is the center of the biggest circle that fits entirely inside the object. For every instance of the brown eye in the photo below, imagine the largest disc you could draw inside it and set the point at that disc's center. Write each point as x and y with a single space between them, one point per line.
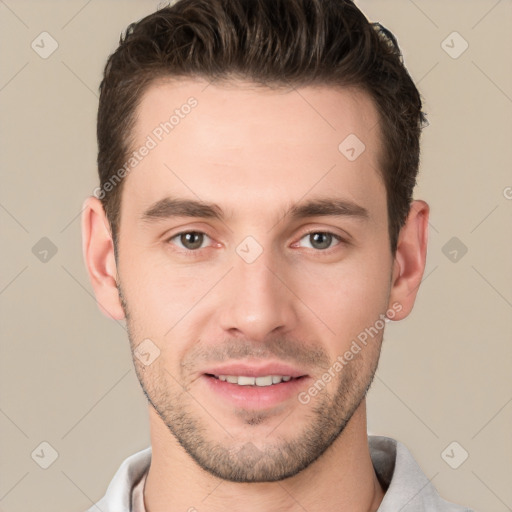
320 240
190 240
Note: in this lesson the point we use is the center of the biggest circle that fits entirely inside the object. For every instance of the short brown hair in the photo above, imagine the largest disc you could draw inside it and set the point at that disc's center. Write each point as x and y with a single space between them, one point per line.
286 43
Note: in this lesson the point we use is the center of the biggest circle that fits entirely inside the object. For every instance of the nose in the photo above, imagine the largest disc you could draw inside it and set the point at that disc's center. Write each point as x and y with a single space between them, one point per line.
257 299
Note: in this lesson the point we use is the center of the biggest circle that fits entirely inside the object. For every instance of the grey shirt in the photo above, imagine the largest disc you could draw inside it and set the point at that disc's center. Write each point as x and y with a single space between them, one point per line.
406 486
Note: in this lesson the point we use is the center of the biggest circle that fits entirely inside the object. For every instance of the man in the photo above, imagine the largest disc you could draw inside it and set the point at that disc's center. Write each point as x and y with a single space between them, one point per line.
254 225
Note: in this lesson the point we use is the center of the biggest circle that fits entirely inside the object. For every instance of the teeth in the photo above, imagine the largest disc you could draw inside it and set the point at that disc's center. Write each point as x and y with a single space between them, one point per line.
242 380
246 381
264 381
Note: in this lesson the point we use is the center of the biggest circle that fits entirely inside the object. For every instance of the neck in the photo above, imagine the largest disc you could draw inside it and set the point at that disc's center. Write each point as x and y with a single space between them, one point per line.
341 480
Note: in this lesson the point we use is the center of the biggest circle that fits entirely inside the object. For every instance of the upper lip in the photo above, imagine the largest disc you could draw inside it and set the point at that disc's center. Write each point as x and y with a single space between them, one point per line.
255 370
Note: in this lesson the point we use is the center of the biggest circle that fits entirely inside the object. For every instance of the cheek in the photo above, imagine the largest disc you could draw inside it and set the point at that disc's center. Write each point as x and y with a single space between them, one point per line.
160 295
348 296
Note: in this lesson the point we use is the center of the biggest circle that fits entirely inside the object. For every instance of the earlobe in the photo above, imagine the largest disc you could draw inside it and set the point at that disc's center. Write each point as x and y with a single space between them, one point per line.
99 258
410 259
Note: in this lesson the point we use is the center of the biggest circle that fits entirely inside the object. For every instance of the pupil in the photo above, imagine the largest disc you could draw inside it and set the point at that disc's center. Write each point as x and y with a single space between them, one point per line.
187 239
321 240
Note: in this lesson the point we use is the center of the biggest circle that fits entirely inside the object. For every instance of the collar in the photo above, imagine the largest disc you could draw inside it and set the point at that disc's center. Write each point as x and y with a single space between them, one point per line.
407 487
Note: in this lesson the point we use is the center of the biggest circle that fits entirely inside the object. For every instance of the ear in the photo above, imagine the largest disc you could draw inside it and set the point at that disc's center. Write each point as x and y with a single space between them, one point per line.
98 253
410 258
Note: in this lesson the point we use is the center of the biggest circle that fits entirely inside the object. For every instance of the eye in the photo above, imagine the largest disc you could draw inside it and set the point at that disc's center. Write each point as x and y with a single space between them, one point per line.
320 240
189 240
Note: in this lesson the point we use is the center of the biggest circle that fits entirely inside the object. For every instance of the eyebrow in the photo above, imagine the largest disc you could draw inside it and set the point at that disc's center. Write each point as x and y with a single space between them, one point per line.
328 207
175 207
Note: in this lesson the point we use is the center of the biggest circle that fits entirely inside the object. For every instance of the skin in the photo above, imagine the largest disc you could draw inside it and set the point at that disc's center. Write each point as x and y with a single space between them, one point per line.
255 152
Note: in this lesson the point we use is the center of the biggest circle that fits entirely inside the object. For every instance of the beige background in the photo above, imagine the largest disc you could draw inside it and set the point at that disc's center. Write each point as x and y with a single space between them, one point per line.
66 372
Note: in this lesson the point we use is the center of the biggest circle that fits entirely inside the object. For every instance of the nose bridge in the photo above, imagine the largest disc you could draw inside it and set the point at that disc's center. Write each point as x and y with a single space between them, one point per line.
257 302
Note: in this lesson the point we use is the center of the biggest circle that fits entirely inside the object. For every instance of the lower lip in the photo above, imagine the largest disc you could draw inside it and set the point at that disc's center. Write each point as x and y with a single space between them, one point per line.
255 397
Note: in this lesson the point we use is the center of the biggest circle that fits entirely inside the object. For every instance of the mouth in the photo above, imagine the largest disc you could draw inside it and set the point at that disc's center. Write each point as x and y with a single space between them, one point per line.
260 381
254 387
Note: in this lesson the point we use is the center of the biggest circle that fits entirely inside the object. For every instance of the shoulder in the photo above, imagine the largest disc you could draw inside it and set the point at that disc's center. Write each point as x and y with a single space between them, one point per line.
407 488
119 492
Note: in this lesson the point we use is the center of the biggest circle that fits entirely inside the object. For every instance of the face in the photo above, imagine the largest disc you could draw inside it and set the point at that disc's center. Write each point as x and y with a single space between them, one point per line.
252 253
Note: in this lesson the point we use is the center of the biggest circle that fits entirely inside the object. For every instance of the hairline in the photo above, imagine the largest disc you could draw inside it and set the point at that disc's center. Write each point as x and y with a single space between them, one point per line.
237 82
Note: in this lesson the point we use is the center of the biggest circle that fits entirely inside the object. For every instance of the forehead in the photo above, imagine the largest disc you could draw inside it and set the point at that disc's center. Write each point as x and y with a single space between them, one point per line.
238 141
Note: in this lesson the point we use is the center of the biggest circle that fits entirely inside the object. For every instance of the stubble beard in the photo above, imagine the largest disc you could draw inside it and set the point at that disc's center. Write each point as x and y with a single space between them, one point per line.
328 413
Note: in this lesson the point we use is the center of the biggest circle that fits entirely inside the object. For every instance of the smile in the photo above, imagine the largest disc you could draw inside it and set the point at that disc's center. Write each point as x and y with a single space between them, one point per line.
243 380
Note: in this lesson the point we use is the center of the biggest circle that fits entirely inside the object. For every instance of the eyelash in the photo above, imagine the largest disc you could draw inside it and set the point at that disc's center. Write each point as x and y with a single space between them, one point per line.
194 252
330 249
191 252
